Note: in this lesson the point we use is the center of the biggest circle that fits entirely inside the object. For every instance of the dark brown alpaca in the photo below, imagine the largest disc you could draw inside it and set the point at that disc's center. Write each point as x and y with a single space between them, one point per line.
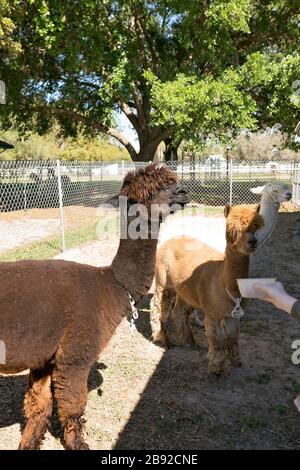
197 276
56 316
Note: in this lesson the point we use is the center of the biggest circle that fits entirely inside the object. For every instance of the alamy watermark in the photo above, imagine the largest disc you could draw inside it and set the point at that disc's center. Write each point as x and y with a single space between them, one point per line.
137 221
296 353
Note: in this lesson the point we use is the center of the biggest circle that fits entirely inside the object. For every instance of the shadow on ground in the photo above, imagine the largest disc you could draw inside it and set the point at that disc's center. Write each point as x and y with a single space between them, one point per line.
249 408
12 392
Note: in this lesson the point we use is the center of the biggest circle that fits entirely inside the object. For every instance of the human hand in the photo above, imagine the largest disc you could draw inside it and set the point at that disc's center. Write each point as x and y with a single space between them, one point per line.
276 294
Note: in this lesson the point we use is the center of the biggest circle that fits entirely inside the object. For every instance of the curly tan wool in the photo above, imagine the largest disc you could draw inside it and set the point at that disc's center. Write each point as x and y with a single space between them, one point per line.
196 275
56 316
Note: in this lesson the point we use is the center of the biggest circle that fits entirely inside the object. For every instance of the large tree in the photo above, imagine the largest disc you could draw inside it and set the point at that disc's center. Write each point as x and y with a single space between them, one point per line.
174 68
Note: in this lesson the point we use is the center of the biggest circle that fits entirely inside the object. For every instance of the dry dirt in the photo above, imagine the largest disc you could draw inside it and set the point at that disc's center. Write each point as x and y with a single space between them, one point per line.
143 397
22 227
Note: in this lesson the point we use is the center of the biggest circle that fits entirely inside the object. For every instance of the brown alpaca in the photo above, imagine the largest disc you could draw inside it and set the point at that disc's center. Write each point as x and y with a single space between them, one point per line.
197 276
56 316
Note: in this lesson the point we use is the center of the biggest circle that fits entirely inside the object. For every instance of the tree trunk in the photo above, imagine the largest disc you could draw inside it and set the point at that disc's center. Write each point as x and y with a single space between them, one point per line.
146 154
149 141
171 151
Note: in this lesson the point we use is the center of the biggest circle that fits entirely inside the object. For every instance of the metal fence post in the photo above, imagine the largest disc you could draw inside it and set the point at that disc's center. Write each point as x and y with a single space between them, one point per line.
25 197
61 208
230 182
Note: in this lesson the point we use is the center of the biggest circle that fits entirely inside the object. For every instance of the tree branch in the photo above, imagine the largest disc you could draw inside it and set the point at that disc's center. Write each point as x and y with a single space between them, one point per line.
138 101
53 111
251 39
148 40
141 44
157 135
126 109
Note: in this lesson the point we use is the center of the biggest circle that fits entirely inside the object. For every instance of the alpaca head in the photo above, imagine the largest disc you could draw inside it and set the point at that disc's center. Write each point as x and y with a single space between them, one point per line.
241 224
278 192
155 189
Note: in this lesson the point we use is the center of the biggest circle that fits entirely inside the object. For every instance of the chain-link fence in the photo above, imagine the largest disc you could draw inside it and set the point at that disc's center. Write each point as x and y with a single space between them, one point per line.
50 206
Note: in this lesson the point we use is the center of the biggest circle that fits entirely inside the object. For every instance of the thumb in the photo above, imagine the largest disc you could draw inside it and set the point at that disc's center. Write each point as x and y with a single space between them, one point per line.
259 287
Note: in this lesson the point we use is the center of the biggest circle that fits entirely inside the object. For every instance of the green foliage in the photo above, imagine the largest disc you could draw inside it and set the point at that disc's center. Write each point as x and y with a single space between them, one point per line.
8 45
49 147
92 149
219 107
277 77
233 14
176 68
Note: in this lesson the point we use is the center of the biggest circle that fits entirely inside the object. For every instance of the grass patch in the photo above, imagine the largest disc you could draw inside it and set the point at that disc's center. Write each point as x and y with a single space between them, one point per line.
252 422
264 377
50 247
252 328
162 425
281 409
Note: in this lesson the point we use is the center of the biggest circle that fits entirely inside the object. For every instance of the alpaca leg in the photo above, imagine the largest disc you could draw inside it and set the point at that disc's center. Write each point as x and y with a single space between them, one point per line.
232 328
196 325
159 313
180 316
234 355
70 390
37 407
216 351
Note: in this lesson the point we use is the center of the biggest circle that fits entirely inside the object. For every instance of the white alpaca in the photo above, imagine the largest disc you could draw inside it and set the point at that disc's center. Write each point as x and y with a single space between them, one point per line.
273 194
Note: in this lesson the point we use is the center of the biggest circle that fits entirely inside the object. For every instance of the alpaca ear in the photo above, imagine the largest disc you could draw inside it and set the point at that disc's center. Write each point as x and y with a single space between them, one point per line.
227 210
112 201
257 190
258 208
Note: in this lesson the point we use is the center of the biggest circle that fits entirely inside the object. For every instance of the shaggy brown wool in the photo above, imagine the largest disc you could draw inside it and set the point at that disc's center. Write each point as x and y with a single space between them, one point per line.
136 190
56 316
197 276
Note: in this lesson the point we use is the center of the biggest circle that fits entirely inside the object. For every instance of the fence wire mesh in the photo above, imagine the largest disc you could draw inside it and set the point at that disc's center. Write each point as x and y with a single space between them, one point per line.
48 206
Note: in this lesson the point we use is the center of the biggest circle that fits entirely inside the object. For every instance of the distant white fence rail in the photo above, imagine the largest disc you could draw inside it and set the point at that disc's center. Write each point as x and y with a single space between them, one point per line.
49 206
296 189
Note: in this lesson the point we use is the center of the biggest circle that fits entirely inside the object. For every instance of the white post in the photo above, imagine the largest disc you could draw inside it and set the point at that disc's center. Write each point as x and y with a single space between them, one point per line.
61 208
230 182
123 169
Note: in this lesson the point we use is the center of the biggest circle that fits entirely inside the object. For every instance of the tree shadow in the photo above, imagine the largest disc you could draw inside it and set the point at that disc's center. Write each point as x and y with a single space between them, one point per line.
182 407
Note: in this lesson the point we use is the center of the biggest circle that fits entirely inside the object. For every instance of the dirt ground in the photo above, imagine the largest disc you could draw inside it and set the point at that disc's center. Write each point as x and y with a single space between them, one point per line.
22 227
143 397
18 228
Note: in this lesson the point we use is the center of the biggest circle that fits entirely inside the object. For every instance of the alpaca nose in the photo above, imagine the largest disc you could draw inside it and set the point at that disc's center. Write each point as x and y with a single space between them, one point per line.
181 189
288 196
252 243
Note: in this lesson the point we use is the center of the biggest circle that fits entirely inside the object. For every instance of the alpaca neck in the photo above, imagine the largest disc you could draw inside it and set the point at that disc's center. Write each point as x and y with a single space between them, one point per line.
268 210
236 266
134 264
